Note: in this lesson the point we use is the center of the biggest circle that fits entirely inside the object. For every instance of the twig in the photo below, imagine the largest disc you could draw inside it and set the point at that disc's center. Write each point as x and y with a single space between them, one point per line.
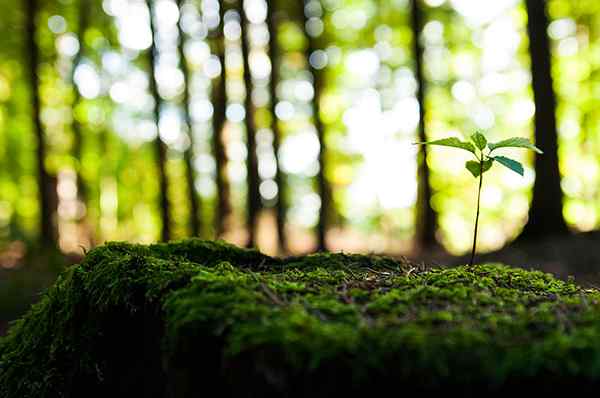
271 294
410 271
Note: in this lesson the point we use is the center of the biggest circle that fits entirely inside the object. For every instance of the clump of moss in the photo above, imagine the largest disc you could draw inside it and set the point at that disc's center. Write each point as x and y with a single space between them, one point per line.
64 341
205 314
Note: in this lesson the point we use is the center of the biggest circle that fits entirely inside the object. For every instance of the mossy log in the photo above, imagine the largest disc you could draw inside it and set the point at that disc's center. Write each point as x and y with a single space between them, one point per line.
194 317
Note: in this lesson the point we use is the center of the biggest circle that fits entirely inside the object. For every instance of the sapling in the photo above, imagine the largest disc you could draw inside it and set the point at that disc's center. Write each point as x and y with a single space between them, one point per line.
483 151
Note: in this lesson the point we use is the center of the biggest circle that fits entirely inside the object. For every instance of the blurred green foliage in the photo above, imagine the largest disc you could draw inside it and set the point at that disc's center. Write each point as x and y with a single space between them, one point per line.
476 65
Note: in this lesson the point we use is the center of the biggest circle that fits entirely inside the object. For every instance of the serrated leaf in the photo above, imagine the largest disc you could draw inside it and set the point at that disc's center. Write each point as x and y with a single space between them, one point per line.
475 167
479 140
452 142
511 164
515 142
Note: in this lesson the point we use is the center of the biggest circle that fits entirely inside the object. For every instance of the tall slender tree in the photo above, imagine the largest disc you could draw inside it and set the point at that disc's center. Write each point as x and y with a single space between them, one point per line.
159 145
188 156
322 183
426 217
253 200
83 24
219 101
275 56
46 184
545 213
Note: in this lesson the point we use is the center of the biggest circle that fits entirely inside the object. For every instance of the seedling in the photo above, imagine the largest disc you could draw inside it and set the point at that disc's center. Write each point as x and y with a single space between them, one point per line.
482 151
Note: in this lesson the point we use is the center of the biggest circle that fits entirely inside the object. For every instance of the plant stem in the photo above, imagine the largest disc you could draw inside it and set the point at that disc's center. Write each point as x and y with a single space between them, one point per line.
477 217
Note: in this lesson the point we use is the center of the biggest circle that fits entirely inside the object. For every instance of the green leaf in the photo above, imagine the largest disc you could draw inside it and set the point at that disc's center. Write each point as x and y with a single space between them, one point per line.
479 140
452 142
510 163
475 167
515 142
487 164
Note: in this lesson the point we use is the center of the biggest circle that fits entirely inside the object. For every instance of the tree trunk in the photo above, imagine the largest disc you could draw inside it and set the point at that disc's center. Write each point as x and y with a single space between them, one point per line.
275 56
84 14
323 186
219 101
545 213
425 216
46 184
253 200
159 145
188 156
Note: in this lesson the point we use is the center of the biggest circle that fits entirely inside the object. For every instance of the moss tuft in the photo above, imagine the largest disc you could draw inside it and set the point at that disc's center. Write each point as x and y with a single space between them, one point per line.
314 325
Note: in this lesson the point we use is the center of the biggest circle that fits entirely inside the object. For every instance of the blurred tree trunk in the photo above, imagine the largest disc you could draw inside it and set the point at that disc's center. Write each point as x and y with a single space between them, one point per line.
219 101
545 213
275 56
159 145
84 16
425 216
188 156
46 183
253 200
323 186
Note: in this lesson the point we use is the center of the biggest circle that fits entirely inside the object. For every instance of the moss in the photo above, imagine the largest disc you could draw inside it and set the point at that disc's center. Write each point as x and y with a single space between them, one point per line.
56 341
299 326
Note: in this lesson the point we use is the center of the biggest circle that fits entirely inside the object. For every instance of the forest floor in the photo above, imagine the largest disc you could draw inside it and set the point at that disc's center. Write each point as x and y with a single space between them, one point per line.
24 276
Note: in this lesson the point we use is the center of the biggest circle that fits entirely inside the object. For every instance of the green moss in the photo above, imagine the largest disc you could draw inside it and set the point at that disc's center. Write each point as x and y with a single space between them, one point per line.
366 318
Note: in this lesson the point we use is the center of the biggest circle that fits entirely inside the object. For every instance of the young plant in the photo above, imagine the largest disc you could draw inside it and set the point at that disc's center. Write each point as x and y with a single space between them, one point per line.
484 159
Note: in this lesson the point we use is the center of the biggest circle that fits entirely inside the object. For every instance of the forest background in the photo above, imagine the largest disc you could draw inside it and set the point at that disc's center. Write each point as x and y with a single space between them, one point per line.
287 125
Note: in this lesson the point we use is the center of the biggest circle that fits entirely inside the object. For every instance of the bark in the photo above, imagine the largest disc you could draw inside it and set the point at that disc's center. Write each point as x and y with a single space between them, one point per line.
46 184
159 146
195 223
323 187
253 200
219 101
275 56
84 16
545 213
425 215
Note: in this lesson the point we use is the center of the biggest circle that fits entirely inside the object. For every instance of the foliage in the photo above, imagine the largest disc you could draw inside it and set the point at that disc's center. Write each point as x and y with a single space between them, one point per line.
484 158
299 324
476 72
482 151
